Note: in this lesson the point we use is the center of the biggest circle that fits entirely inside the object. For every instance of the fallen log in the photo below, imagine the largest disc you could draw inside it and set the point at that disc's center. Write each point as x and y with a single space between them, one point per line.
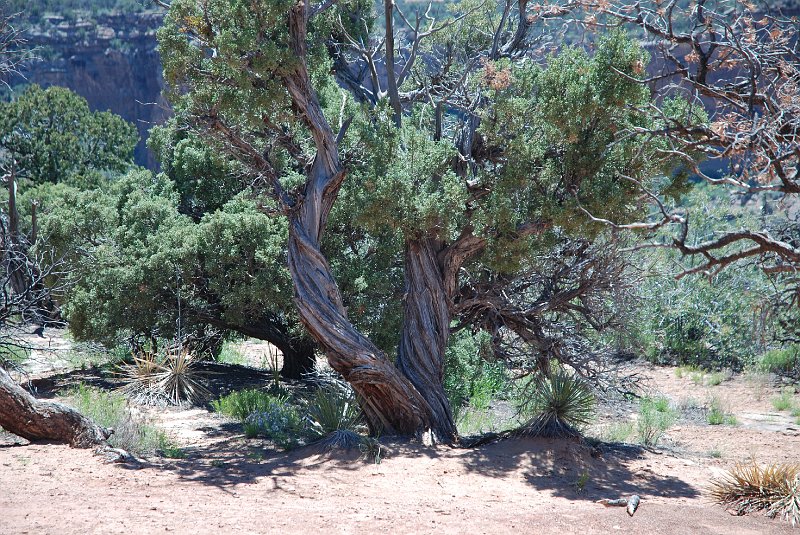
34 419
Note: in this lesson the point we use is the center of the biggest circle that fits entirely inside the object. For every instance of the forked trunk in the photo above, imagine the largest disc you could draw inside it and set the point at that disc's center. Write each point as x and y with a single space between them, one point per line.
391 403
33 419
426 328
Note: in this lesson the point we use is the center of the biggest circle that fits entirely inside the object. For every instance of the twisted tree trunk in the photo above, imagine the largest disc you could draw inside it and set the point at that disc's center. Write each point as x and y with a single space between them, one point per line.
426 328
33 419
390 401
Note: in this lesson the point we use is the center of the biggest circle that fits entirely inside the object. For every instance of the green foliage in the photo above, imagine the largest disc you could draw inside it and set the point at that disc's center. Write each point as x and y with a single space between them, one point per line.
279 422
696 321
230 354
717 415
655 417
239 405
557 127
471 378
14 354
262 414
134 256
54 137
785 401
559 405
131 433
617 432
784 361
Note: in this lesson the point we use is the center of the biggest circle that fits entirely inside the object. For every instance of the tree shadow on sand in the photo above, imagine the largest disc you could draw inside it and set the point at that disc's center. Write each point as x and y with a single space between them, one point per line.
563 468
576 470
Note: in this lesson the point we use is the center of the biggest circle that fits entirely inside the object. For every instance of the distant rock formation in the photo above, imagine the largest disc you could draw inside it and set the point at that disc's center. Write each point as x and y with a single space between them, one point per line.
111 60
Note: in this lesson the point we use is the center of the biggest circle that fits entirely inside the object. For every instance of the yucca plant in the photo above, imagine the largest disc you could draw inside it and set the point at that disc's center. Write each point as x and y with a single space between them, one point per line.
561 404
749 487
179 380
140 377
173 378
333 408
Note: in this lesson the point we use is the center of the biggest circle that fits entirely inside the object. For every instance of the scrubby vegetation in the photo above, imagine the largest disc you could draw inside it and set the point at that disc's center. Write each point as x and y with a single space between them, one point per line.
131 432
479 225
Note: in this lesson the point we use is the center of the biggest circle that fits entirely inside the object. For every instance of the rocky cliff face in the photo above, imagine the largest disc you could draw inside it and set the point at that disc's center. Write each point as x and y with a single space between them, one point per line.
110 60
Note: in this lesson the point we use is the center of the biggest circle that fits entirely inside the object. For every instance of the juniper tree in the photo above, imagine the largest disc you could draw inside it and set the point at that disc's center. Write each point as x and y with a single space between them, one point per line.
450 140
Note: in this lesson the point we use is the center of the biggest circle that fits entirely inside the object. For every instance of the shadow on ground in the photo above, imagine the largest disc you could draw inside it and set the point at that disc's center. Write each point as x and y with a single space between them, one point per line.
562 468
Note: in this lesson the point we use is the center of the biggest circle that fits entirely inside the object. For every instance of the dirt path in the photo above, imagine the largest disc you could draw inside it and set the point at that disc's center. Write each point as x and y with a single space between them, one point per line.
513 487
231 485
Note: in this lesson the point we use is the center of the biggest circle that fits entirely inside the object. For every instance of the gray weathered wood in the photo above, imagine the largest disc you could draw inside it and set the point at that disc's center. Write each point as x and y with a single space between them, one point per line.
33 419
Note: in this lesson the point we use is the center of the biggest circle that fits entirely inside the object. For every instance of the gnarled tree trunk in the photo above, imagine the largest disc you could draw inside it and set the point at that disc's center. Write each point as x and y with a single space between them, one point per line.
426 328
33 419
390 401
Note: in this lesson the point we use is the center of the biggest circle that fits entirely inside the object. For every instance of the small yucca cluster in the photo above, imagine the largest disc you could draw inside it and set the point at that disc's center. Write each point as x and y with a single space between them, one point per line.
561 404
173 378
749 487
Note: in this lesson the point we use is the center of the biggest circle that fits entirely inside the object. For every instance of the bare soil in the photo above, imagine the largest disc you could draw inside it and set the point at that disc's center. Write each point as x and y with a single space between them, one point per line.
228 484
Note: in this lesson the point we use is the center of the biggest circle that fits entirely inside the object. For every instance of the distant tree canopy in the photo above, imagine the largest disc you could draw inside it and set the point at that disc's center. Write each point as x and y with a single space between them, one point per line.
50 135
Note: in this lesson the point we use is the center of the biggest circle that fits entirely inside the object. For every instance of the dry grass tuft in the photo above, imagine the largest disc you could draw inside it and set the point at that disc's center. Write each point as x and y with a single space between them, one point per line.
750 487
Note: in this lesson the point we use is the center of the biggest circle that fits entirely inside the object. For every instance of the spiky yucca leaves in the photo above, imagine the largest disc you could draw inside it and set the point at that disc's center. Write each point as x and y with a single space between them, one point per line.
749 487
179 380
333 408
140 377
173 378
561 405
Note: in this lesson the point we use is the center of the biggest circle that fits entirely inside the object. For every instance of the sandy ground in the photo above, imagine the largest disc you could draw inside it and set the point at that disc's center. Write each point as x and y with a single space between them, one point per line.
230 485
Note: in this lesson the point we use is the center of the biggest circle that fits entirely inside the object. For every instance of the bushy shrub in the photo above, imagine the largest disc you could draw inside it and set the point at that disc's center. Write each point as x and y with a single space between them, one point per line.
655 417
717 415
471 376
784 361
723 322
132 434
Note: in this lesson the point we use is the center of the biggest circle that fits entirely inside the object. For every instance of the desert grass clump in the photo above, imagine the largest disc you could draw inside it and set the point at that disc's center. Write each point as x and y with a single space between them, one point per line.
561 405
750 487
717 415
785 401
655 417
784 361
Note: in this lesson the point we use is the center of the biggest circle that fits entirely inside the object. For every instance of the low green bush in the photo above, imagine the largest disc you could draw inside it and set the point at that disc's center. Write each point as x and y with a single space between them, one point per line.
784 361
655 417
262 414
784 401
471 378
717 415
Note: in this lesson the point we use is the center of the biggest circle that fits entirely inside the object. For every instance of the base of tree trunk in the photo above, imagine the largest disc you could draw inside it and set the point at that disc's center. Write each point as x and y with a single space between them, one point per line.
299 359
33 419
